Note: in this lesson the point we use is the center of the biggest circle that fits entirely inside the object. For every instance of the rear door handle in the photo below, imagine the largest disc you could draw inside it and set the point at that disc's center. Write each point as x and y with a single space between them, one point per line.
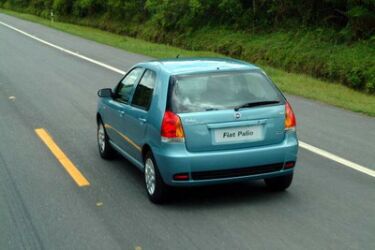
122 113
143 120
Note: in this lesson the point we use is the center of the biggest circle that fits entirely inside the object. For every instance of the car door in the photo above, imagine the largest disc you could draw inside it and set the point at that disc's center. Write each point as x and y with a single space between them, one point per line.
137 115
118 106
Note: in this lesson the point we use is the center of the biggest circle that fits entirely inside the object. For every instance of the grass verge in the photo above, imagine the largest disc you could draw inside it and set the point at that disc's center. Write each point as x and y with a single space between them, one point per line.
291 83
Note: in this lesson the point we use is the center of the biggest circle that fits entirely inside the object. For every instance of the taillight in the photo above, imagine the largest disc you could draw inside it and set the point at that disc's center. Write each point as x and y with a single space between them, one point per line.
171 128
290 118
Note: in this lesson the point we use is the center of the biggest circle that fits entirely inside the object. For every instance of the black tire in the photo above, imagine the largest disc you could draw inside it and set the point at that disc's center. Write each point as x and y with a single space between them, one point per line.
279 183
106 151
161 191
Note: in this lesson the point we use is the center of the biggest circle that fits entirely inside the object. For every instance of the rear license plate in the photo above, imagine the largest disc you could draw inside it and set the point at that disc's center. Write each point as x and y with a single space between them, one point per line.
239 134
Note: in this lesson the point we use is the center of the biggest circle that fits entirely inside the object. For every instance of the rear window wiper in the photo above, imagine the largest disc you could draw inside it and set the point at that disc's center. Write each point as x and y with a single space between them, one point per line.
254 104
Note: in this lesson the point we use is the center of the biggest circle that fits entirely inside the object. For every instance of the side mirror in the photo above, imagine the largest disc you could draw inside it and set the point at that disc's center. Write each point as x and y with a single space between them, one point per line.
105 93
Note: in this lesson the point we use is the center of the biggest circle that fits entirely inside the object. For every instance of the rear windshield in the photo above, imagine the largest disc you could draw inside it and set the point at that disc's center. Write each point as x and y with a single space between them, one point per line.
217 91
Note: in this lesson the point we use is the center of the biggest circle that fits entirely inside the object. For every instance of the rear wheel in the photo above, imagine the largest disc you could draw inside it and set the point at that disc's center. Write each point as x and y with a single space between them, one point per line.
105 149
279 183
156 189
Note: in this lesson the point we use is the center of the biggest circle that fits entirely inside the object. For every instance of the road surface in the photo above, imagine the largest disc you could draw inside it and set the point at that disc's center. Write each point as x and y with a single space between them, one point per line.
329 206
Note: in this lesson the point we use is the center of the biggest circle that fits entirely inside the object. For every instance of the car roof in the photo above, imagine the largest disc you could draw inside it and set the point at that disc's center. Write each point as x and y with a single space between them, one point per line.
177 66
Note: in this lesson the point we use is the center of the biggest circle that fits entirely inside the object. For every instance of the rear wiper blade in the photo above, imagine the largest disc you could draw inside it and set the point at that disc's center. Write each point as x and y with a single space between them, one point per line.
254 104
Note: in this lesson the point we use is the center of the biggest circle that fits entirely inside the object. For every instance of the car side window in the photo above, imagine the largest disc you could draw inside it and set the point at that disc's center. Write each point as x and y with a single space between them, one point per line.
125 87
143 93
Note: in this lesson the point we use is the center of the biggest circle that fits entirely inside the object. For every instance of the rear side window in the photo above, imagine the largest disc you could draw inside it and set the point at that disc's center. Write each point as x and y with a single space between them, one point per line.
143 93
217 91
125 87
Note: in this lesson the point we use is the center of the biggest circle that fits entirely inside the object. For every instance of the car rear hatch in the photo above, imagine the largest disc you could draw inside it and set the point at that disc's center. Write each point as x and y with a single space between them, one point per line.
228 129
228 110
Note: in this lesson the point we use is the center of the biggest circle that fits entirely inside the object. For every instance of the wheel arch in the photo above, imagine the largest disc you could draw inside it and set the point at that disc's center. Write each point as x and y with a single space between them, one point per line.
145 149
98 118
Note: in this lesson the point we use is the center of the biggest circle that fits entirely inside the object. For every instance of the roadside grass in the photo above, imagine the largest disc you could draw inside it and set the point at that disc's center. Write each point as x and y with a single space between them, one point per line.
291 83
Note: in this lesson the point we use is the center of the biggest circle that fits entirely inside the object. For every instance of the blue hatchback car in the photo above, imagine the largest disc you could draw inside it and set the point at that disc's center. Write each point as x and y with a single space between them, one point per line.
199 121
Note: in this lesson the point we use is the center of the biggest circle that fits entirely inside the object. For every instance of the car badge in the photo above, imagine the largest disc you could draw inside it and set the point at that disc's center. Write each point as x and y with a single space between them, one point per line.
237 115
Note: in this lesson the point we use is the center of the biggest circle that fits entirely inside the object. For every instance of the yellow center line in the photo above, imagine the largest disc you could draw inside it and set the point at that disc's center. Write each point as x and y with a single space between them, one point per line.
62 158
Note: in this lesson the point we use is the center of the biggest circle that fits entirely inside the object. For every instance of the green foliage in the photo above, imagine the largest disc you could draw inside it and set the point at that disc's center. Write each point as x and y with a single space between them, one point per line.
62 7
354 18
330 39
300 50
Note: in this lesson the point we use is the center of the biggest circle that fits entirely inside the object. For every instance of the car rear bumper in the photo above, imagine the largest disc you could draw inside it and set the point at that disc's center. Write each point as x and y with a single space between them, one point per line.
217 167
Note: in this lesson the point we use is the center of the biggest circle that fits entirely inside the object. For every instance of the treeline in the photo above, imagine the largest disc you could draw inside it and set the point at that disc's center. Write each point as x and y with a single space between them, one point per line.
330 39
354 18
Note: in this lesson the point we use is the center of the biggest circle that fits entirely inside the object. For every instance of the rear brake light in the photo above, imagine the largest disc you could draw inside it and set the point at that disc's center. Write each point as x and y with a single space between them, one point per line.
290 118
171 127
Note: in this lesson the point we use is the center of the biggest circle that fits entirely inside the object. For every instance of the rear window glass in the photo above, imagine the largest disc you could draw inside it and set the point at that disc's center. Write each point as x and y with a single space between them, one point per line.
217 91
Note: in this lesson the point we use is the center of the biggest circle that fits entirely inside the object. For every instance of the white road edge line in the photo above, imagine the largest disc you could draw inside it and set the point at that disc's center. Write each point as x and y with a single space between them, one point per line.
65 50
303 145
336 158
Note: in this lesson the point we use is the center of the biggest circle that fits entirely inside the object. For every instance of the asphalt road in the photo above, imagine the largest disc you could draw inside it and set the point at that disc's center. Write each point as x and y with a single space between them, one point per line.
329 205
